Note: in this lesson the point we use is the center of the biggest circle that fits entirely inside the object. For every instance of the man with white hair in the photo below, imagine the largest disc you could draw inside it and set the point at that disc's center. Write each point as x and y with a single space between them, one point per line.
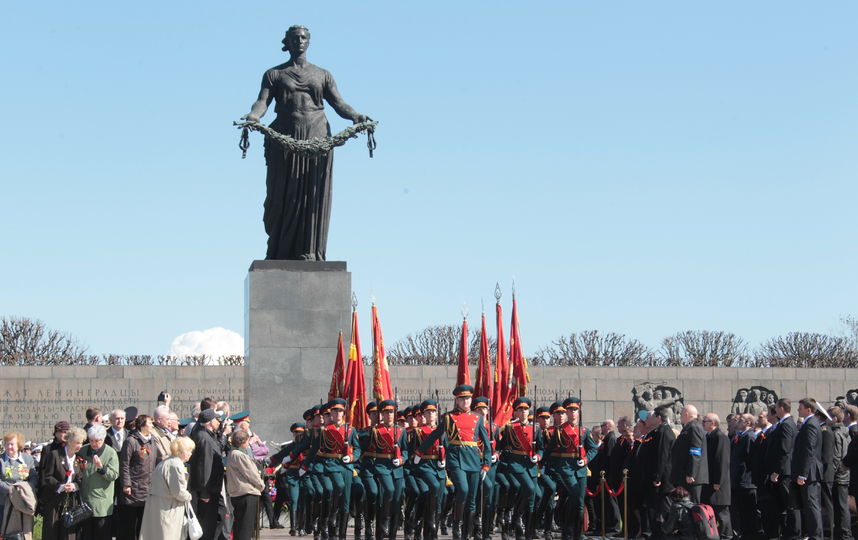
717 493
689 455
117 433
161 431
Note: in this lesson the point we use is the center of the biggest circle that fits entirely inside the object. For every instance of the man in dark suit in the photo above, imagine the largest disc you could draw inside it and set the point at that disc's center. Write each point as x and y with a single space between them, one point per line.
658 488
807 468
117 433
779 452
766 494
717 492
689 455
743 489
620 459
605 457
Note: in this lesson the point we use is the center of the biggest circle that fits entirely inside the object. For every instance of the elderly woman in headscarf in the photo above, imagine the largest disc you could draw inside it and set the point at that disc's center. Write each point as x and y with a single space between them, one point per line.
99 475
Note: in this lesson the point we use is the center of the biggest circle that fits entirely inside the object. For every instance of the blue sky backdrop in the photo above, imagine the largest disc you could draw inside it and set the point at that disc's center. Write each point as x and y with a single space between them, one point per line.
639 167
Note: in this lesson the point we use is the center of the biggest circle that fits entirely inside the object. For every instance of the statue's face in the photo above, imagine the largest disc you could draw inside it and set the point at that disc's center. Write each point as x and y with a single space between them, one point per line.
657 394
743 395
298 41
770 399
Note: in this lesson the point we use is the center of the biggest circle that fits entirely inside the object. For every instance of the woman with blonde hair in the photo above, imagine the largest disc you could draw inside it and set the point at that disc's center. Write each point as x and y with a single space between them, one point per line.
168 493
15 466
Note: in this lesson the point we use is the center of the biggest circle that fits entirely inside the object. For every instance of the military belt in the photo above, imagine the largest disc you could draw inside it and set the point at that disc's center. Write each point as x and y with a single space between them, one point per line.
519 452
327 455
464 443
379 456
563 454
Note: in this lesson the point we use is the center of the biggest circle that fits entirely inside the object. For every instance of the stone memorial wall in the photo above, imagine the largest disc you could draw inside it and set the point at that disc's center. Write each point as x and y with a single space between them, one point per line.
33 398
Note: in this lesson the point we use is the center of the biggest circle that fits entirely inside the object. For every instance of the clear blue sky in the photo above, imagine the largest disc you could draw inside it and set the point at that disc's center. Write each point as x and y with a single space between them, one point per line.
639 167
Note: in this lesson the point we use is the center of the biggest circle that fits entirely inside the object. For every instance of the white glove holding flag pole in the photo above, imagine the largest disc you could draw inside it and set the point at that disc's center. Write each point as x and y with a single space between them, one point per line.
483 475
301 472
347 459
494 458
534 459
442 464
286 460
397 462
416 460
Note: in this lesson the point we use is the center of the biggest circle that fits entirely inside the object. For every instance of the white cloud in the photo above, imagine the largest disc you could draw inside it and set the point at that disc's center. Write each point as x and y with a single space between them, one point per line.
212 342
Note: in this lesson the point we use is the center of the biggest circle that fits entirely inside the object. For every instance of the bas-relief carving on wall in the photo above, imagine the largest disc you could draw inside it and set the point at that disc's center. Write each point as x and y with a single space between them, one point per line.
648 396
754 400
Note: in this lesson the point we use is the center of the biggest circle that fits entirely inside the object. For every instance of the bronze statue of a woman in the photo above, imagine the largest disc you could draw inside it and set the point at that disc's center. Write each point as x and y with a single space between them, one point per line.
298 186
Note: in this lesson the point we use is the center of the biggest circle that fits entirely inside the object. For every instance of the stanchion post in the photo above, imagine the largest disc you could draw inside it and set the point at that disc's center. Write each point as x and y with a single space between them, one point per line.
602 485
626 504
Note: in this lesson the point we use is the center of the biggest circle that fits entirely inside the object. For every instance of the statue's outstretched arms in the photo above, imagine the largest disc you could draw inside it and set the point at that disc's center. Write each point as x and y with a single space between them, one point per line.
260 106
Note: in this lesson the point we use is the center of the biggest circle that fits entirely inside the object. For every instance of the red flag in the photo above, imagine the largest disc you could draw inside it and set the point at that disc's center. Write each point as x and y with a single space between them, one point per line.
464 374
520 376
484 367
338 378
355 390
501 407
381 388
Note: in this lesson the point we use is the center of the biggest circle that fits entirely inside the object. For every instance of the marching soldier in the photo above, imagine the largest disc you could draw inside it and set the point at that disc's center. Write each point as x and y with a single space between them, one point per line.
429 471
365 507
489 486
548 479
521 447
333 455
385 451
570 449
459 432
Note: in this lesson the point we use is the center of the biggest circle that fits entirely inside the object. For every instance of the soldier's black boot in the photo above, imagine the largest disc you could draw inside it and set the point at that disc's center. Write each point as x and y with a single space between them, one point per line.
408 520
488 525
429 530
458 512
548 523
477 530
395 515
342 525
369 521
382 532
518 519
577 525
468 525
333 513
358 519
322 521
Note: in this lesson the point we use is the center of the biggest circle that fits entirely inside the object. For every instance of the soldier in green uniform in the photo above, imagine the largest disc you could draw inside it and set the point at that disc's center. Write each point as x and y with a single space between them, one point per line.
489 487
365 509
521 448
384 454
332 455
570 449
428 475
548 478
459 432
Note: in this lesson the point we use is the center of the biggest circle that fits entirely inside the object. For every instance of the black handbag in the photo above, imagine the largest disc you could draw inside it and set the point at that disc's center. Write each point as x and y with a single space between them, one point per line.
13 535
75 512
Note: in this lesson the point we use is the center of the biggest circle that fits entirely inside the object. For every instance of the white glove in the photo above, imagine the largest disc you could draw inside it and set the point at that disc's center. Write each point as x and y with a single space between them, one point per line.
442 464
483 476
397 462
416 460
286 460
580 462
347 459
534 459
494 458
301 472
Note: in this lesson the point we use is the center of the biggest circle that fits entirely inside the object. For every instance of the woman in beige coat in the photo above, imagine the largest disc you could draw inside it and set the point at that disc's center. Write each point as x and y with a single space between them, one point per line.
243 485
163 515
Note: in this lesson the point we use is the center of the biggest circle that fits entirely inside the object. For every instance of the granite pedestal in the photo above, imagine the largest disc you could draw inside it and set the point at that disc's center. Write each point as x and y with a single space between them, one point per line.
294 311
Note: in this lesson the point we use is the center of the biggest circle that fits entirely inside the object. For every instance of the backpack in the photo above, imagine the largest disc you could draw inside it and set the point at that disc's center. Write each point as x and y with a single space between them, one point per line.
704 522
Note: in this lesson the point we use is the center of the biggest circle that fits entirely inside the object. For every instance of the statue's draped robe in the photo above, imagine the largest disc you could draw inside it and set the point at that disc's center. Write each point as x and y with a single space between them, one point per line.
298 198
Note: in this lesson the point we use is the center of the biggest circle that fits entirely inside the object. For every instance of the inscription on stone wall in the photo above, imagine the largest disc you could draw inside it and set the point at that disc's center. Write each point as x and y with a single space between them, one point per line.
32 406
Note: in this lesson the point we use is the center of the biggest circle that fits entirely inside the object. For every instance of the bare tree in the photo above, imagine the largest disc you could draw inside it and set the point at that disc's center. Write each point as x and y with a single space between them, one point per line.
28 342
704 348
589 348
804 349
436 345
